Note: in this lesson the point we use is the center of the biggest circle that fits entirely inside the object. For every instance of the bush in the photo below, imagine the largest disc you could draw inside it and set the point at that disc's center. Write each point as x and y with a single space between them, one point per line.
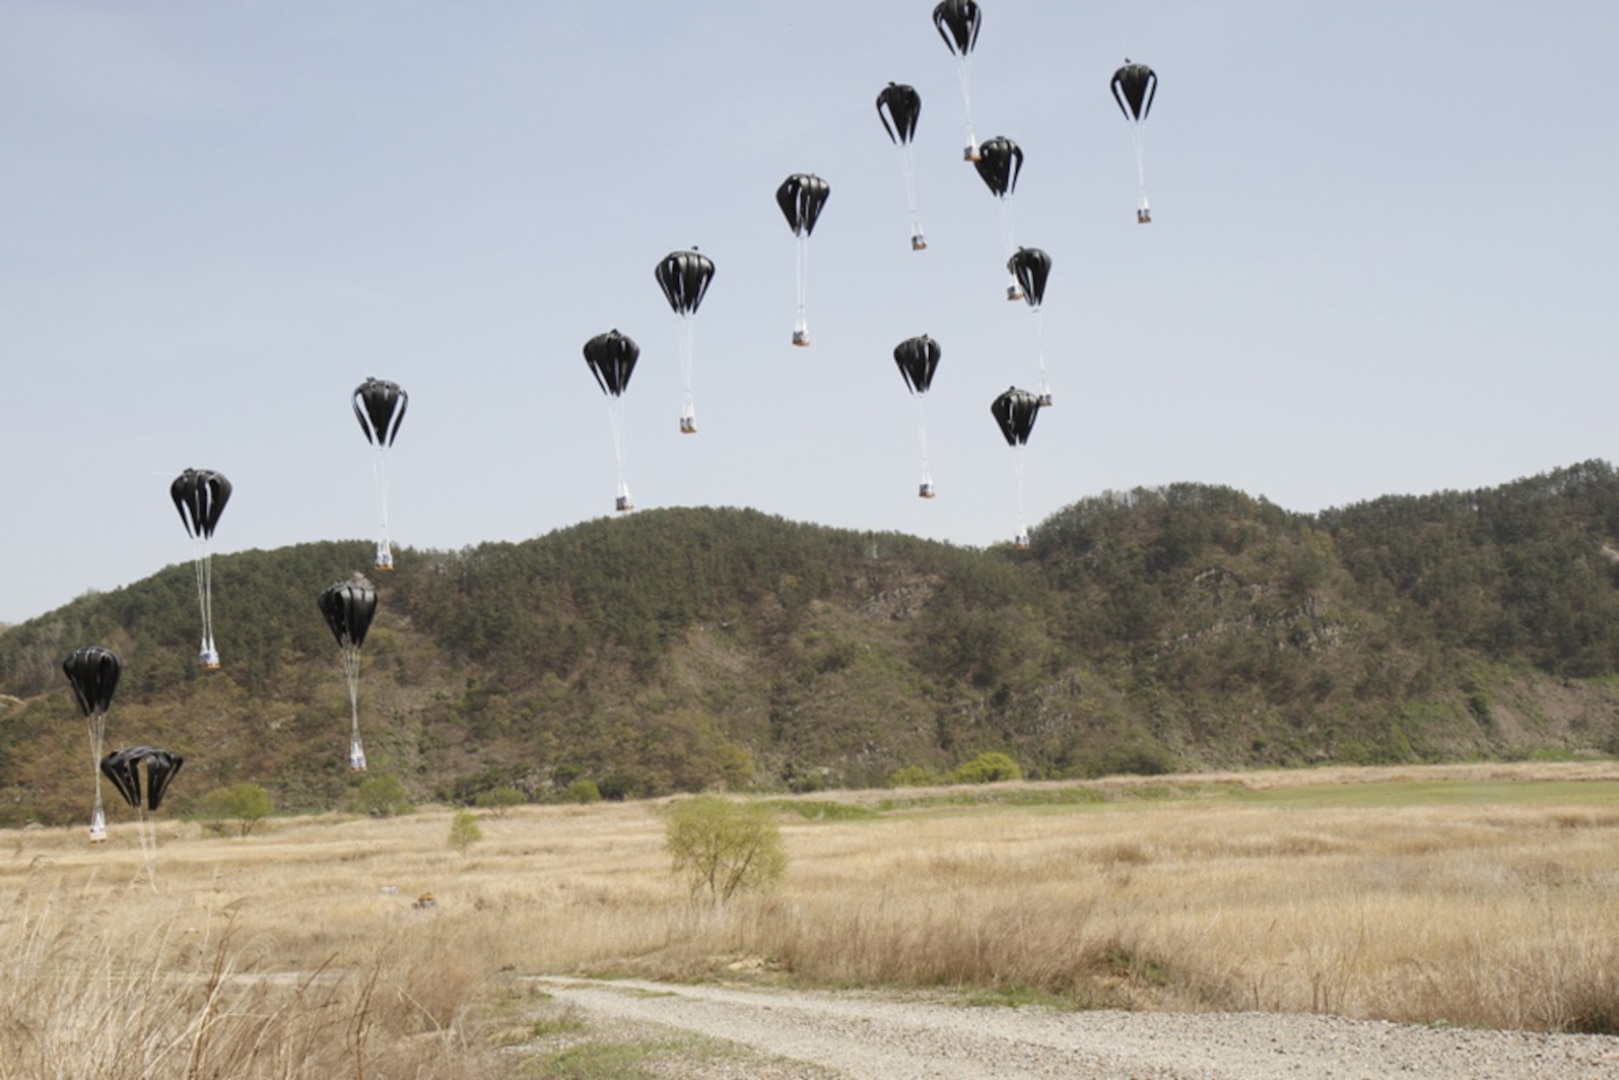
245 804
723 847
464 831
584 790
988 768
499 800
381 796
917 776
1134 759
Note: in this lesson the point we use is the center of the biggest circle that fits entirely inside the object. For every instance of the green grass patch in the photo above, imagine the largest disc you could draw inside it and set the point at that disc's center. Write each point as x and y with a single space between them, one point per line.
635 1059
566 1022
597 1061
1012 997
820 809
1442 793
1325 795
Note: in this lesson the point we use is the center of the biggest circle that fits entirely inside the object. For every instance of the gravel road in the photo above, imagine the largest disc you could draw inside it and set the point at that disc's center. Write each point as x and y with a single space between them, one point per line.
797 1035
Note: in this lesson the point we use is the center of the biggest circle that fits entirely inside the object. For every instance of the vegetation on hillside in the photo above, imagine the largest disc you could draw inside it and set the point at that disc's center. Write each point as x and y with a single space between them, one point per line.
723 649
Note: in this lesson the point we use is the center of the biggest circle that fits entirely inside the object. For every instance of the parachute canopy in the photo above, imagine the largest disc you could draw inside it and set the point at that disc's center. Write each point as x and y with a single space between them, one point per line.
999 162
349 607
612 358
93 673
801 197
1015 411
684 278
918 359
898 107
1134 87
200 495
1031 267
124 769
379 406
958 22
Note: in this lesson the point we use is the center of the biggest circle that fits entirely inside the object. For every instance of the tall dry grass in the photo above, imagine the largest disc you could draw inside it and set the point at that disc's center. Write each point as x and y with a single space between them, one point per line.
1501 918
281 955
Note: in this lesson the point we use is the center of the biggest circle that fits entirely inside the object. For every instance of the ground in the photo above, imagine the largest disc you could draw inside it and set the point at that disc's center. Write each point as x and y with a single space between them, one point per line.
713 1033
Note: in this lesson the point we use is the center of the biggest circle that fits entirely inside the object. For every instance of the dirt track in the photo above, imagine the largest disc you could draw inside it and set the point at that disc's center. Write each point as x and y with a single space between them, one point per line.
885 1037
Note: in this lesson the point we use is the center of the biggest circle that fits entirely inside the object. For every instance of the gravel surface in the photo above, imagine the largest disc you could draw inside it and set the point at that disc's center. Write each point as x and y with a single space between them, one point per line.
796 1035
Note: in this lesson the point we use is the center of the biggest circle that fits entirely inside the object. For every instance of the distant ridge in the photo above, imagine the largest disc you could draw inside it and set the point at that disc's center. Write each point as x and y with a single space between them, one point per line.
1162 629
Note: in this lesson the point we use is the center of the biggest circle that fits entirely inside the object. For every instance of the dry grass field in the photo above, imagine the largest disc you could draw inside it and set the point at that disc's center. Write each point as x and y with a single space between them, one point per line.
1477 895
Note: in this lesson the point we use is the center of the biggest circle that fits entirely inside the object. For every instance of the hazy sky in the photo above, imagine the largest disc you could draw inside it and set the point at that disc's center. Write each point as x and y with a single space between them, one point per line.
1382 261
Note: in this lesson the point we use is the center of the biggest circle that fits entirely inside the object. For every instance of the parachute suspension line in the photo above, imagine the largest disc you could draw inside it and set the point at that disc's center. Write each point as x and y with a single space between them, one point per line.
926 489
615 415
1014 291
964 73
379 469
688 408
351 672
1040 351
98 742
1022 541
907 168
1137 139
801 323
208 605
203 562
146 836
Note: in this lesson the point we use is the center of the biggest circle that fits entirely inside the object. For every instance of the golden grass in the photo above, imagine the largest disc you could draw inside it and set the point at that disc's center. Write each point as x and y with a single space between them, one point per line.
281 954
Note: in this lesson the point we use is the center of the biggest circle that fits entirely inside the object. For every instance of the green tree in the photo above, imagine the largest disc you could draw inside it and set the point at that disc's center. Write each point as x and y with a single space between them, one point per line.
499 800
245 804
464 831
988 768
915 776
724 847
584 790
381 796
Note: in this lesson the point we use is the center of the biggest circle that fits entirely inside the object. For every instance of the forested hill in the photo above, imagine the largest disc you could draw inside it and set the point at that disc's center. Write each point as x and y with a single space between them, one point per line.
1164 629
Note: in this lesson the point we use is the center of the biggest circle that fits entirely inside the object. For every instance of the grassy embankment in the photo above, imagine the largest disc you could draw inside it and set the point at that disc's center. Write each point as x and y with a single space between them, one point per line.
1482 895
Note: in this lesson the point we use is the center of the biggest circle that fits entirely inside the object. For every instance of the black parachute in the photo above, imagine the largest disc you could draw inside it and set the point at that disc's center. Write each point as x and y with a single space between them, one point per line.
379 406
899 107
958 22
1134 87
125 768
349 607
999 162
684 278
612 358
801 197
1015 411
200 496
1031 267
93 673
918 359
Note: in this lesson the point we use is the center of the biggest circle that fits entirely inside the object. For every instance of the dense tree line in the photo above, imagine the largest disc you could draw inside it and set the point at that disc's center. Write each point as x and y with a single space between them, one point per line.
684 649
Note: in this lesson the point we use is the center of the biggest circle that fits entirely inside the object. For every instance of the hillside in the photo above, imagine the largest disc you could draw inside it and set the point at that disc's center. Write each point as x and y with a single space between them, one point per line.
1156 630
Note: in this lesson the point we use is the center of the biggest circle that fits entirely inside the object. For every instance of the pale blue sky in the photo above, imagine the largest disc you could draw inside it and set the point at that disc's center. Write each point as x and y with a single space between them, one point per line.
1382 261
